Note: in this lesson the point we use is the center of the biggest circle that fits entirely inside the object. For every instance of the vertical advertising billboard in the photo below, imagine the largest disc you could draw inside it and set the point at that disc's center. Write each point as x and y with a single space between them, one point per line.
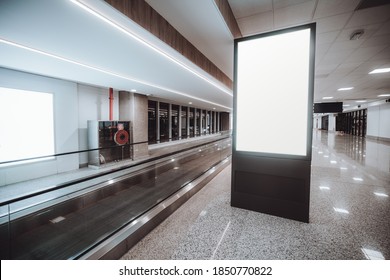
273 93
272 132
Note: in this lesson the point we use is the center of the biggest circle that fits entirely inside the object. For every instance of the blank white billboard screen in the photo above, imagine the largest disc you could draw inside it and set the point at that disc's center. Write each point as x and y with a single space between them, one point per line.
26 124
272 93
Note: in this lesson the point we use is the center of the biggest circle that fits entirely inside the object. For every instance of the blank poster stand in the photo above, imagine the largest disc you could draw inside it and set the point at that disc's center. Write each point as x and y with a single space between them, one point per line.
272 136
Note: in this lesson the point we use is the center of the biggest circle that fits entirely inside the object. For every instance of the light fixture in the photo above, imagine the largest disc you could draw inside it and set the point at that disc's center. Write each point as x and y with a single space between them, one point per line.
380 70
327 97
360 101
133 90
384 95
346 105
148 44
358 179
324 188
190 102
345 88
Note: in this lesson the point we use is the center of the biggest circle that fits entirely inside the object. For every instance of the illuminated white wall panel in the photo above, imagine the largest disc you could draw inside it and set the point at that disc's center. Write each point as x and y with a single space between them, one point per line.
273 93
26 124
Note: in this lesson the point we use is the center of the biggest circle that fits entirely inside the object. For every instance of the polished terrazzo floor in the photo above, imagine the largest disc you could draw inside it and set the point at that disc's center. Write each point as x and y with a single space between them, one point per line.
349 213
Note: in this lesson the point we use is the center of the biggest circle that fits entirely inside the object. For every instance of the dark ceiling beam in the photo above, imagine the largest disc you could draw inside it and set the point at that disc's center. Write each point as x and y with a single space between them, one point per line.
230 19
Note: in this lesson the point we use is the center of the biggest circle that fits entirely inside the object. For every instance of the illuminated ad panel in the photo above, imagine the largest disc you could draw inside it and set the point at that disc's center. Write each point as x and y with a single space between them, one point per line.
273 92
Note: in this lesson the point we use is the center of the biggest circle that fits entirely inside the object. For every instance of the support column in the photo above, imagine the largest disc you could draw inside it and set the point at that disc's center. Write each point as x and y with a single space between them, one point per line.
188 122
158 121
170 122
134 107
179 121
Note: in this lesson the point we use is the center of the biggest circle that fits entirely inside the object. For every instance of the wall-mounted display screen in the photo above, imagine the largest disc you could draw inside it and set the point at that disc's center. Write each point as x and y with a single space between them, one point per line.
272 93
330 107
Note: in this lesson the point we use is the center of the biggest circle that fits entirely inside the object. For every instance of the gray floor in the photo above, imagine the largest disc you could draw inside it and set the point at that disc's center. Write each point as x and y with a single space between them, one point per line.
349 213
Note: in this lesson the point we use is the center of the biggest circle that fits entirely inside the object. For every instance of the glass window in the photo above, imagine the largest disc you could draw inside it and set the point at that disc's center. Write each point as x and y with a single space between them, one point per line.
184 122
203 127
175 122
208 121
192 122
164 122
197 124
152 121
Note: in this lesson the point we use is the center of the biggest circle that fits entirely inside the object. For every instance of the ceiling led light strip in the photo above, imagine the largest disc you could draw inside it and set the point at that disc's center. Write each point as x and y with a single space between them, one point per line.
149 45
107 72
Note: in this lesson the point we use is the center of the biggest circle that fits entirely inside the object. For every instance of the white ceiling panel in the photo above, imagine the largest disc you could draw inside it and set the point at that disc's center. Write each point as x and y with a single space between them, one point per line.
256 24
364 54
294 14
384 29
326 8
345 45
383 55
375 41
250 7
336 57
327 38
278 4
332 23
370 16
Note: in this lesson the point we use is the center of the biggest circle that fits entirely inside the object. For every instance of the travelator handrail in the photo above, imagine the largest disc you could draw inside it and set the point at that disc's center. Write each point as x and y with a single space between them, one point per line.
104 173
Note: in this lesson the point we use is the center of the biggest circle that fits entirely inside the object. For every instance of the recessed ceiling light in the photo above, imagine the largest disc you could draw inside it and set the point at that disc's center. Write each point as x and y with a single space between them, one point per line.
327 97
384 95
190 103
380 70
360 101
345 88
346 105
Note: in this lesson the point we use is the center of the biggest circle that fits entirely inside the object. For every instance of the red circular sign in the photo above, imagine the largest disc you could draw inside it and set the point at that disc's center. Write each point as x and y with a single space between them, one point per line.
121 137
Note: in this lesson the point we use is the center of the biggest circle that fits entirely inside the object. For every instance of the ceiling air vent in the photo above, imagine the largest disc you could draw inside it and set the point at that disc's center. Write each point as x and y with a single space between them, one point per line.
356 34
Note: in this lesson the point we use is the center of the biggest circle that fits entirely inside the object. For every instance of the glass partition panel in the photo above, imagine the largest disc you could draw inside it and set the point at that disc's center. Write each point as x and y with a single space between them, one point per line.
184 122
198 122
175 122
164 121
152 121
203 122
192 122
